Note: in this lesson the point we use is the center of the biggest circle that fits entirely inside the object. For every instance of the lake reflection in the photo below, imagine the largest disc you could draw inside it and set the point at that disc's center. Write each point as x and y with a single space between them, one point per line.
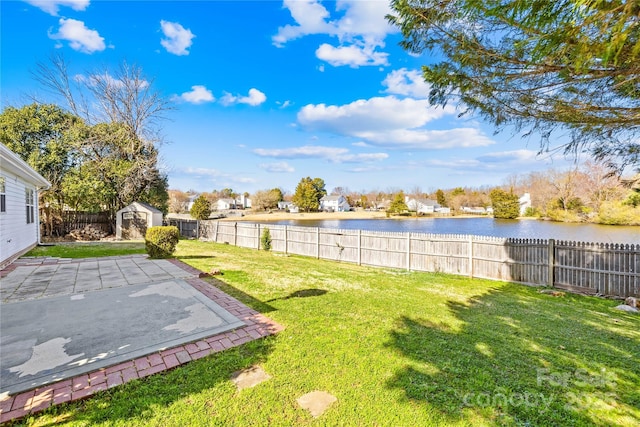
485 227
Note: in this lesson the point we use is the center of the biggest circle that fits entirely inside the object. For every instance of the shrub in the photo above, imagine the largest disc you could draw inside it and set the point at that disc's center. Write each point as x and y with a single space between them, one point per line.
532 212
265 239
161 241
201 208
505 205
616 213
560 215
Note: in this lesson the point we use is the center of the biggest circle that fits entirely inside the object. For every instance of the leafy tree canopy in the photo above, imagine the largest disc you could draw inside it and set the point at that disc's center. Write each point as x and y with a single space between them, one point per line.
43 136
544 65
505 205
398 204
201 208
266 199
308 194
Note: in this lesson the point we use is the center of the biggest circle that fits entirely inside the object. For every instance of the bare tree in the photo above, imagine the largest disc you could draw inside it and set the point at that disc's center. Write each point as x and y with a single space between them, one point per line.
599 185
122 96
123 112
178 201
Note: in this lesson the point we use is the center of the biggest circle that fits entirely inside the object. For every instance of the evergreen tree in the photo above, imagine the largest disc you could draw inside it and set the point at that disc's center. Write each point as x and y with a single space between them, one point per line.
201 208
398 204
308 194
505 205
541 66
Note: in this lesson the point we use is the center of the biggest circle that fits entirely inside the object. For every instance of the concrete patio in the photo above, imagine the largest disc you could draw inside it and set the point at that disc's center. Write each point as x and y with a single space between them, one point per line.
70 328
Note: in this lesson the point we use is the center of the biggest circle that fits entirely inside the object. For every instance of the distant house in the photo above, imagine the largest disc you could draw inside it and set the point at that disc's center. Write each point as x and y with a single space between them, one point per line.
226 204
283 205
334 204
19 218
525 203
424 206
191 200
478 210
243 202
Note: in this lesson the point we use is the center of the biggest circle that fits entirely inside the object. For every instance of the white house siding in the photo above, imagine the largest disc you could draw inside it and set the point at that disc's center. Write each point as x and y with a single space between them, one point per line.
334 204
16 236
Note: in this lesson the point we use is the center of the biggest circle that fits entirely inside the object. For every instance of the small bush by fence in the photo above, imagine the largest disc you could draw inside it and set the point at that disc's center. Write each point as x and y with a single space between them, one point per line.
605 269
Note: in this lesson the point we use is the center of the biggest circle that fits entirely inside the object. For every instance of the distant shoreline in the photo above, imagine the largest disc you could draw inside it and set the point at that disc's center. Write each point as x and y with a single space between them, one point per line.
321 216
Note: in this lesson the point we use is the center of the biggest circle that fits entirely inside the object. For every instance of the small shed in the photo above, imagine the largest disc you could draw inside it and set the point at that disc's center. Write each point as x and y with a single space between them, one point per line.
132 221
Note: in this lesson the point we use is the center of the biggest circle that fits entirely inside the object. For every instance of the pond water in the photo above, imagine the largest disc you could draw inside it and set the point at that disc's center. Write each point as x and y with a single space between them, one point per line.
534 229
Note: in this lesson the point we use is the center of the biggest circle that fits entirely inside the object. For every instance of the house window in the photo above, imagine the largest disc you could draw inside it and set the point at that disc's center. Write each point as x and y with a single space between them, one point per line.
3 196
30 205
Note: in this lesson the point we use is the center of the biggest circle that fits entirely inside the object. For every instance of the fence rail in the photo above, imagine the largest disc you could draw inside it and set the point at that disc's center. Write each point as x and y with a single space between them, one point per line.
605 269
77 220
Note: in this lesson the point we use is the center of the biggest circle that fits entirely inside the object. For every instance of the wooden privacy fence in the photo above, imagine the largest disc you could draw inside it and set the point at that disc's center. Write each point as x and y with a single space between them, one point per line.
187 227
605 269
73 220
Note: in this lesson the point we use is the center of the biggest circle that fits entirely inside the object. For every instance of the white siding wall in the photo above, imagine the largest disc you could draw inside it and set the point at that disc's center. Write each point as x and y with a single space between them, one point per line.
15 234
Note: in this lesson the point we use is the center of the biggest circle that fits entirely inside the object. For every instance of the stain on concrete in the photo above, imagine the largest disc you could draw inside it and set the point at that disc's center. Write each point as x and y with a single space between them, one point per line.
46 356
199 317
166 289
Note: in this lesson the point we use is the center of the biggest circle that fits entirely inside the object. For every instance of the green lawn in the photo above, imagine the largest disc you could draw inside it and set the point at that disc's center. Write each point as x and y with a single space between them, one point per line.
88 249
395 348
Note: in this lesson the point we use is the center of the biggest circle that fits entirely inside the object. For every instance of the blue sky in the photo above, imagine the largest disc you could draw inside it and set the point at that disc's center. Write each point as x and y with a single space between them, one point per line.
268 92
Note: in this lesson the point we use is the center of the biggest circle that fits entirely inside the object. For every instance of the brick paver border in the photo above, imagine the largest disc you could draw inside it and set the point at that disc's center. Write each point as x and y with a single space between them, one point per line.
85 385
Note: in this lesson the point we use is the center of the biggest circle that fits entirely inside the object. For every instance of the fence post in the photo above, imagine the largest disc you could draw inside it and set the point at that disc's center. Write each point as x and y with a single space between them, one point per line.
359 247
552 261
286 240
215 239
258 236
471 255
197 229
235 234
317 242
409 251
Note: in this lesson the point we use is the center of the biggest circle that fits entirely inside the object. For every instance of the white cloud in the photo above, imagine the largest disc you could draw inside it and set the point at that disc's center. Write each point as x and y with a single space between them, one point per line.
254 98
361 158
80 38
374 114
390 122
198 95
218 176
407 83
279 167
332 154
353 56
502 161
53 6
213 173
310 16
178 39
360 30
424 139
519 156
284 104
